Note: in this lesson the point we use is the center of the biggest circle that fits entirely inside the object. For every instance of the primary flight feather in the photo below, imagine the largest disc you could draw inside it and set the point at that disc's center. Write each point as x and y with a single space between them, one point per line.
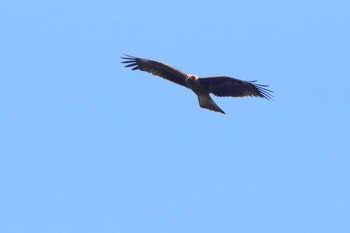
202 87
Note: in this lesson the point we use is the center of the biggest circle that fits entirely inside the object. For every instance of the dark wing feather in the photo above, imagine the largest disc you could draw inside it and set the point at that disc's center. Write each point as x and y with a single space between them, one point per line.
226 86
156 68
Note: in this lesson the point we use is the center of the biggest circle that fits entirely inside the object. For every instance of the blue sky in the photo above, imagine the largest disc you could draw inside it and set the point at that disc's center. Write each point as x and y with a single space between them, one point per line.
87 145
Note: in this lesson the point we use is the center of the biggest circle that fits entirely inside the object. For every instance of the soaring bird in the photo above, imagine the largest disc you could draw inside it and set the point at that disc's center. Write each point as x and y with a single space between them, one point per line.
202 87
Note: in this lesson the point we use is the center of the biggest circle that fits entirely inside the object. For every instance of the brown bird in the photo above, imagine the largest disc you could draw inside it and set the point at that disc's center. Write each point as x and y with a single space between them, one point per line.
202 87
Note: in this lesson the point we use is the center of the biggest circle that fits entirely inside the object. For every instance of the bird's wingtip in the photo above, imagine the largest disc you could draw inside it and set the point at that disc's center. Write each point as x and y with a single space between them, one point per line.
126 56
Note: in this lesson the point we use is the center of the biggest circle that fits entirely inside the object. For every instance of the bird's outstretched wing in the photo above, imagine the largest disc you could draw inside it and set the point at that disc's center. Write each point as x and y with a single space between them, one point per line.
156 68
227 86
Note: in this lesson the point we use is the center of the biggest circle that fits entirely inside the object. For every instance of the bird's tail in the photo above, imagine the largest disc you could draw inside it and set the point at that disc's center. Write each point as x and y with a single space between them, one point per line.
205 101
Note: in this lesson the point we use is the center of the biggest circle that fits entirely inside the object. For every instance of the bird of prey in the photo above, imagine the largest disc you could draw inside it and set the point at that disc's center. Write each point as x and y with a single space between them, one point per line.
202 87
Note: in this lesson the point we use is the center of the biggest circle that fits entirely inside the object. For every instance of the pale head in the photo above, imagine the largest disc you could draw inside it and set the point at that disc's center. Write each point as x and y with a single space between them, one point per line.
192 77
192 82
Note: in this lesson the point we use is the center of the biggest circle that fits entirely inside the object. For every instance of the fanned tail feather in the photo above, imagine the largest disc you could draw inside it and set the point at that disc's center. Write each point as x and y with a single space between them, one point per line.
205 101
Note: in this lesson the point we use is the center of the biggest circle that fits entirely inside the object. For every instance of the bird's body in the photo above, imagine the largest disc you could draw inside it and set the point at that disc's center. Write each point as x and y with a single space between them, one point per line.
202 87
205 101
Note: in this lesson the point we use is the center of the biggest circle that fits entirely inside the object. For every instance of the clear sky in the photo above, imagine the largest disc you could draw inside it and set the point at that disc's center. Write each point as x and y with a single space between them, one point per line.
87 145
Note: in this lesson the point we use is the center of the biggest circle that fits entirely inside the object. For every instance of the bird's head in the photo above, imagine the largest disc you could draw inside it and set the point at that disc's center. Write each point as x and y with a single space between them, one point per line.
192 77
